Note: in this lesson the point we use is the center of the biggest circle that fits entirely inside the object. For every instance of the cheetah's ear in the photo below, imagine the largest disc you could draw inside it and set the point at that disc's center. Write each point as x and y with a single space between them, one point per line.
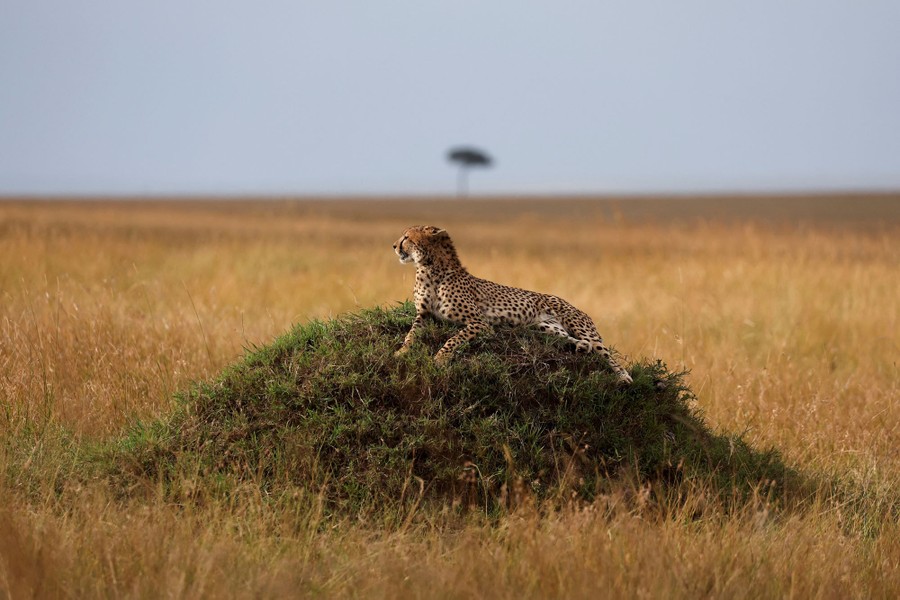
435 230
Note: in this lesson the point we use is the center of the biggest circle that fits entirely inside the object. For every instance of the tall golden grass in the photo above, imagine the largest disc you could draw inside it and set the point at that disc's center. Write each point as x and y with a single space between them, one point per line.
785 311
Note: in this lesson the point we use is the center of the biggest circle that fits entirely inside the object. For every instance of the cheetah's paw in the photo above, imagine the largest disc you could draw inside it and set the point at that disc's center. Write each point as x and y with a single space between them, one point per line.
625 378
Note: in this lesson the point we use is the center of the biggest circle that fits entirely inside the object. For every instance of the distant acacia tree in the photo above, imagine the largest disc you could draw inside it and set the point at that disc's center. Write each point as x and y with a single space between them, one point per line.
467 158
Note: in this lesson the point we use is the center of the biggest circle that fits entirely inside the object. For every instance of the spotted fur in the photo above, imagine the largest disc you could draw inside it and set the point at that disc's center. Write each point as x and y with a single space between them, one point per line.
445 290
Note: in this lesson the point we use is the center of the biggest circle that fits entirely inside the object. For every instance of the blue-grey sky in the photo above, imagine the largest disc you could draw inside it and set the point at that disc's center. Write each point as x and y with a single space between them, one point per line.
363 97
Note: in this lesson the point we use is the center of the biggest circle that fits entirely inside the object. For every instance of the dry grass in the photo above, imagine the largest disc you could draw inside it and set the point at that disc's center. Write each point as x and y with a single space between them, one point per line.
786 311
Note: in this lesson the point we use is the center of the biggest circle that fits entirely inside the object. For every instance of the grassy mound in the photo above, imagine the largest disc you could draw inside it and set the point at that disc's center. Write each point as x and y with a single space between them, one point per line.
328 407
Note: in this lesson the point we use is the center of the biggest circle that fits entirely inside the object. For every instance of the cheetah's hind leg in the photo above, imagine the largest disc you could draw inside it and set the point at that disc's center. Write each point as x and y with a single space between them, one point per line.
554 327
621 373
550 325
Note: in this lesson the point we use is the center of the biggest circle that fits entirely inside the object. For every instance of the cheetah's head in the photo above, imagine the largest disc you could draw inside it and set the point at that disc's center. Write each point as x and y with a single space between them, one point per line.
414 243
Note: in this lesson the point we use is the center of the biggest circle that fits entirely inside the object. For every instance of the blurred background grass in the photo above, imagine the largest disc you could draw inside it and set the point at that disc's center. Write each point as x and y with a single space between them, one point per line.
784 309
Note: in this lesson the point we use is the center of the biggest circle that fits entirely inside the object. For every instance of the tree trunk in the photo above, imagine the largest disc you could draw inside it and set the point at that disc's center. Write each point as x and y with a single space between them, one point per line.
462 182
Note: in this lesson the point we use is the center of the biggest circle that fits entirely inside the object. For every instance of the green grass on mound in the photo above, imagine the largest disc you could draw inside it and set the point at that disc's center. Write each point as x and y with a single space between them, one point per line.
328 408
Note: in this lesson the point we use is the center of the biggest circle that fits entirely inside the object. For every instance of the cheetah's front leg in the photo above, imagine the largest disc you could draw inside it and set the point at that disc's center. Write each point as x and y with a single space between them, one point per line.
468 332
411 336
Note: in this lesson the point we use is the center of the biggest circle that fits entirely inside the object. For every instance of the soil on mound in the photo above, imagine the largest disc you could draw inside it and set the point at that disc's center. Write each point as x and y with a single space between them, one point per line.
329 408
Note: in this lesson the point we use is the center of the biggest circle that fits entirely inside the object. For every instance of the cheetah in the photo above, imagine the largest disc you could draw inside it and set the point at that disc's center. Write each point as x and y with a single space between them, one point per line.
445 290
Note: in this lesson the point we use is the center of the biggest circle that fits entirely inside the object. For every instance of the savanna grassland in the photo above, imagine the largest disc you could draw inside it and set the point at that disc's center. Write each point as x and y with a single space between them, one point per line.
784 310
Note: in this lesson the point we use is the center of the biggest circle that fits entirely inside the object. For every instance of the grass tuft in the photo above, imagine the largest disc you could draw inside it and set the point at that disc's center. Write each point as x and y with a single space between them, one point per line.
329 408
